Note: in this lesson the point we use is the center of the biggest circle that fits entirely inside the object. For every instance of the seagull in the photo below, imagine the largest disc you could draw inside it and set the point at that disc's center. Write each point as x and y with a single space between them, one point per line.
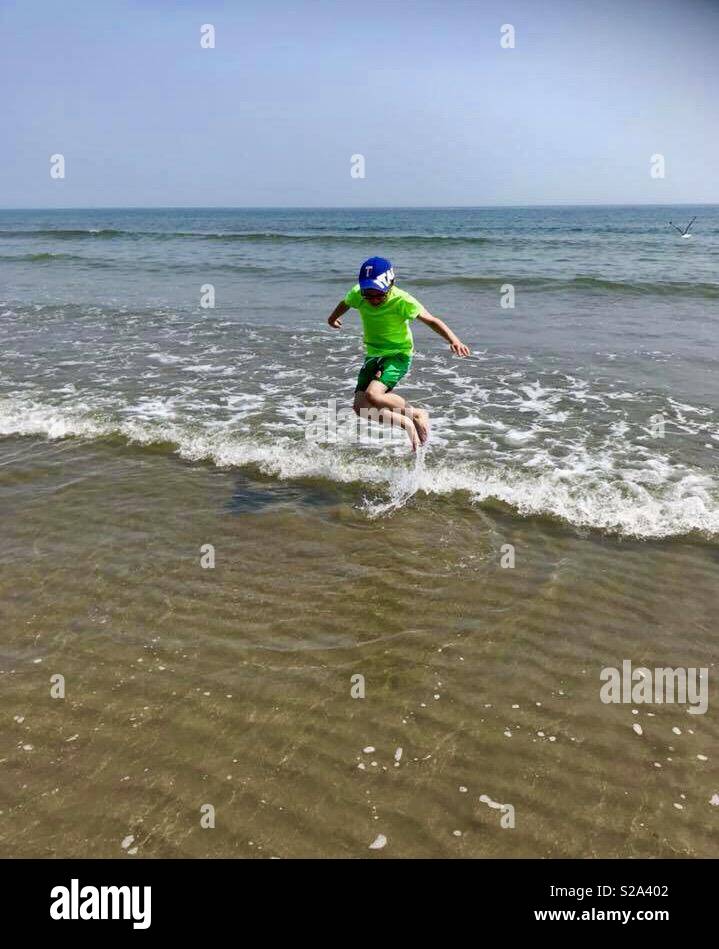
684 231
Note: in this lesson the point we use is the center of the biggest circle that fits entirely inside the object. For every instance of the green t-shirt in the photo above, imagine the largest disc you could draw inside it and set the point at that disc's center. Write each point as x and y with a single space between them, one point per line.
386 327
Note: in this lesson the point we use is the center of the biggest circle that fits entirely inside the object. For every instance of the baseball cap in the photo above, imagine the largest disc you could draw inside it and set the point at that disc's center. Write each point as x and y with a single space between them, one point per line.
376 273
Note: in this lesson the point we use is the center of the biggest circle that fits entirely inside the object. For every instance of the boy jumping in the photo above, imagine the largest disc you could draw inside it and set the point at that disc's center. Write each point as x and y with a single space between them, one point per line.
386 311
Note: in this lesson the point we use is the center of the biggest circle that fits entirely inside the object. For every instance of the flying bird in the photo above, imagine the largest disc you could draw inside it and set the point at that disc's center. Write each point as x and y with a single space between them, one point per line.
684 231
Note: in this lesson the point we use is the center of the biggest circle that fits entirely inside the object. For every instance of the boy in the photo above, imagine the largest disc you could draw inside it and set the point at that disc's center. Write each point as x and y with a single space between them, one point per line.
386 311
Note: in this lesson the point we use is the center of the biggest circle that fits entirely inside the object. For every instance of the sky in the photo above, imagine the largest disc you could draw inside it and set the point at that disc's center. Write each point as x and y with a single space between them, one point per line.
441 113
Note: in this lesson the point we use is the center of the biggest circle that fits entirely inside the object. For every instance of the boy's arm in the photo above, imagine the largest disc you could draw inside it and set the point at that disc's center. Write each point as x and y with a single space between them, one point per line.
335 317
434 322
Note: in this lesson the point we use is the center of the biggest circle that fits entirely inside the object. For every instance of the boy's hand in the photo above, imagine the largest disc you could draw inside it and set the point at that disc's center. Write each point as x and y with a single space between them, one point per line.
335 317
458 348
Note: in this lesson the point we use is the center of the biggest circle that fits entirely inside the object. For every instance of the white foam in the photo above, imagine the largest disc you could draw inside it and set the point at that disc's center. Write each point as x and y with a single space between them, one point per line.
166 358
517 437
589 491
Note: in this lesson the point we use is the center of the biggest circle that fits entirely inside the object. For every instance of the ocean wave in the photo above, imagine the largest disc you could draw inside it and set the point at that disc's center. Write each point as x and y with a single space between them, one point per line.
685 504
50 258
64 233
580 282
343 238
543 237
246 236
532 284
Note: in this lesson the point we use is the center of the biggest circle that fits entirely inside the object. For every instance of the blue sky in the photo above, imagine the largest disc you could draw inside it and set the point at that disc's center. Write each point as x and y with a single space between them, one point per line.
442 114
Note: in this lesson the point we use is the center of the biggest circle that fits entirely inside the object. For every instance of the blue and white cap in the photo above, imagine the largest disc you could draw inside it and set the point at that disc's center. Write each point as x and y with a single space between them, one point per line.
376 274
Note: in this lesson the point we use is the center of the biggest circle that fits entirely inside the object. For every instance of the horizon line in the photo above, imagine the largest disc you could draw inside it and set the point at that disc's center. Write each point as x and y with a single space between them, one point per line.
369 207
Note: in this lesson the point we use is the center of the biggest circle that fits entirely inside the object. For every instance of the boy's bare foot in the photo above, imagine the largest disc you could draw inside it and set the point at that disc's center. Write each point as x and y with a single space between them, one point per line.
421 423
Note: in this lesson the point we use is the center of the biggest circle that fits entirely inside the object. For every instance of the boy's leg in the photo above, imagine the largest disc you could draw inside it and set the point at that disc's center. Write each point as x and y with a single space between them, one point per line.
378 396
387 415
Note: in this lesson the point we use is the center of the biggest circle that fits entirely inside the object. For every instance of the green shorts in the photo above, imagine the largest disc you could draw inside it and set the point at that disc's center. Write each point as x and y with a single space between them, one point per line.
390 369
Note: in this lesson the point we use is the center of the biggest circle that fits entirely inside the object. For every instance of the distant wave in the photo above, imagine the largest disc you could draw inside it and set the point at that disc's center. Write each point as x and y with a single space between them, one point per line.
666 288
47 258
685 505
365 238
542 236
61 233
249 236
660 288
